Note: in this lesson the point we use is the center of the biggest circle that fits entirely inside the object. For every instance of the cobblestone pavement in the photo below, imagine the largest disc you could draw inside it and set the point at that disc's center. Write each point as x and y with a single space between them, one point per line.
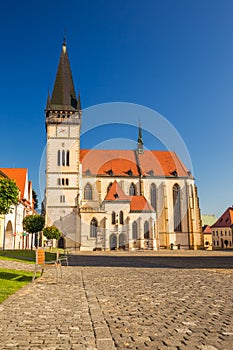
105 308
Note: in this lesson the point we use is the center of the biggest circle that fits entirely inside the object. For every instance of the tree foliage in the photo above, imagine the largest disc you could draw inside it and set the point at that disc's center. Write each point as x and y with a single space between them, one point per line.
33 223
34 196
52 232
9 195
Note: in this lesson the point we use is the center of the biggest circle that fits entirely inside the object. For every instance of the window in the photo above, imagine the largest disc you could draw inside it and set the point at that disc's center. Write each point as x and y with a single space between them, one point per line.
132 190
88 192
63 182
68 158
63 158
58 157
113 218
217 233
213 233
93 228
153 195
192 197
135 230
146 230
177 208
221 233
121 217
62 199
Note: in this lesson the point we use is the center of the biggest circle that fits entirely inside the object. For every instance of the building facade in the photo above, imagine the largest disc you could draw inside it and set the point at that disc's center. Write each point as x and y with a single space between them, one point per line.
222 231
12 235
113 199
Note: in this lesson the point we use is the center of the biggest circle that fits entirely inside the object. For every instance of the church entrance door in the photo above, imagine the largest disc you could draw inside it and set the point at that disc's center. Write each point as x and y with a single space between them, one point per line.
122 241
113 242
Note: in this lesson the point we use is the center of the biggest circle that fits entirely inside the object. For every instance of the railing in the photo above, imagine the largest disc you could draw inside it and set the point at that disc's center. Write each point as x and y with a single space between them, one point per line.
92 210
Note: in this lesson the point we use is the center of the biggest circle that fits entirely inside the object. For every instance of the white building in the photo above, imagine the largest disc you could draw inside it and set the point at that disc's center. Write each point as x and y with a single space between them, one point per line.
110 199
12 235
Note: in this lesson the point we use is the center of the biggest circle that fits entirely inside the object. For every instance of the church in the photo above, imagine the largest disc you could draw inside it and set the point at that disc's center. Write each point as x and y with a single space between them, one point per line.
113 199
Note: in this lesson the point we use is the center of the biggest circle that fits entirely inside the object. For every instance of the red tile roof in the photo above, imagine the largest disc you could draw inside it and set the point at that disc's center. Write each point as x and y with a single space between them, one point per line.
140 204
137 203
124 163
115 193
162 163
19 175
207 230
225 220
101 162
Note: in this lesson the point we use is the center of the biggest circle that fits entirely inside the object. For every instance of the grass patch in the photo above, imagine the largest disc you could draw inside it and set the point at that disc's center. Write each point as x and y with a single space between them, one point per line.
12 280
24 255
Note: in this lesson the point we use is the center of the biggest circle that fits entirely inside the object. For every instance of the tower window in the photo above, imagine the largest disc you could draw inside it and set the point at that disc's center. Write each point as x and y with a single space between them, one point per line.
63 157
62 199
68 158
58 157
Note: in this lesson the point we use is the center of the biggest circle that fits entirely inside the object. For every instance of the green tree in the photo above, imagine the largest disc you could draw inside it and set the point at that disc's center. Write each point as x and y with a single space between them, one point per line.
9 195
34 224
34 196
52 232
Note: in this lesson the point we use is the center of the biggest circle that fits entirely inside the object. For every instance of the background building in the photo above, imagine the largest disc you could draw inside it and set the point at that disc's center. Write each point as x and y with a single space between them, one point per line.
222 230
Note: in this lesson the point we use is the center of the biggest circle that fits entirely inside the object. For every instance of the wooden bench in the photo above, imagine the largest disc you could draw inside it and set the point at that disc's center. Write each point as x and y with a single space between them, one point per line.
41 263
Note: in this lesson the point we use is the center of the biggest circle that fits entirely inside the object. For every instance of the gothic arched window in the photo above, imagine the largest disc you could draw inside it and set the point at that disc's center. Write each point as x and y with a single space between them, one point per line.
132 190
88 192
153 195
68 158
146 230
177 208
63 158
58 157
121 217
135 230
93 228
113 218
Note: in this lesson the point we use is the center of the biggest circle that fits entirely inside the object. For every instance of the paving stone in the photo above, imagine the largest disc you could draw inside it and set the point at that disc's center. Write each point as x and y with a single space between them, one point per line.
129 307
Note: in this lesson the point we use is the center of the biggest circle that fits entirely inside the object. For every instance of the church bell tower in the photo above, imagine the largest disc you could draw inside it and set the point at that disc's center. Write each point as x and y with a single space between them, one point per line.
63 120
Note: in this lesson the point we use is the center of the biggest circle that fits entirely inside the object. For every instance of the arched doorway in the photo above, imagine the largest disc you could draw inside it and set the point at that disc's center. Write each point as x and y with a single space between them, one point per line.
61 243
9 238
113 242
122 241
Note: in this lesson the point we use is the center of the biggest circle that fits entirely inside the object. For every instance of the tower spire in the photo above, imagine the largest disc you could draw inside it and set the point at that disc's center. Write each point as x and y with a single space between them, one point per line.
64 96
140 141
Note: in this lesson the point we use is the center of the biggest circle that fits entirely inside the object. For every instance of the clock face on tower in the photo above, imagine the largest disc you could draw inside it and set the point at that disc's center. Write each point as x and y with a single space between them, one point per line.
62 131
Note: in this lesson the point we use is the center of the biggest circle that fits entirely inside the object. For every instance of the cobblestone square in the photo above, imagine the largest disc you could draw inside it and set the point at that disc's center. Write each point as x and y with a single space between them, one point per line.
122 301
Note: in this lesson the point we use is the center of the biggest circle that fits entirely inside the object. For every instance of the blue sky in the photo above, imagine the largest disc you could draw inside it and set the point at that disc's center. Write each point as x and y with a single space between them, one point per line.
173 56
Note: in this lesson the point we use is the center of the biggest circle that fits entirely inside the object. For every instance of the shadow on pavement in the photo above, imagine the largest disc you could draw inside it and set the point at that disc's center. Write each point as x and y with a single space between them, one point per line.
213 262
